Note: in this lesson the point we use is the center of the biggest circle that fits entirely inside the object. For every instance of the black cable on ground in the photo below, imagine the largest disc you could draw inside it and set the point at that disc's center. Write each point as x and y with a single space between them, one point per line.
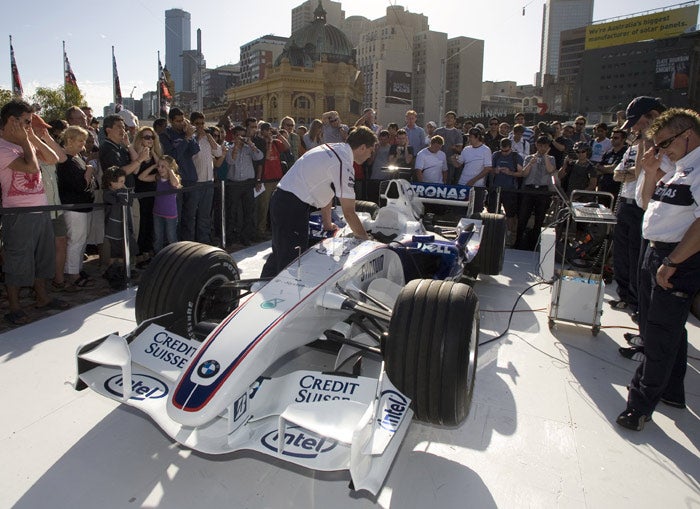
512 311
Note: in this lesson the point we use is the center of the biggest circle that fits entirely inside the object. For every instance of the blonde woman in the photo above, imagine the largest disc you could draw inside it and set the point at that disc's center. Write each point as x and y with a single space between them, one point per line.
75 186
146 139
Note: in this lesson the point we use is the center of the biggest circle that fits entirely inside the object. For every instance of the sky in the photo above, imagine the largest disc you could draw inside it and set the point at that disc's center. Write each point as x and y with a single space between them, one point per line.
511 30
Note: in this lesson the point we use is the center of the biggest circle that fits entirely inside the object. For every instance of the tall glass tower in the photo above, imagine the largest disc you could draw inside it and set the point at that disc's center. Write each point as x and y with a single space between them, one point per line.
560 15
177 41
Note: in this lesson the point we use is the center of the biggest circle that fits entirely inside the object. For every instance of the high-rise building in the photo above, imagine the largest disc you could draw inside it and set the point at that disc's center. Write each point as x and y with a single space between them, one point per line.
303 14
464 67
560 15
258 54
177 41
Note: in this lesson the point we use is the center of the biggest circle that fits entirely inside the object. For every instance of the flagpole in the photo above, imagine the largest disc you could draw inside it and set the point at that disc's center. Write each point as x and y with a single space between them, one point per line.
114 83
65 87
158 87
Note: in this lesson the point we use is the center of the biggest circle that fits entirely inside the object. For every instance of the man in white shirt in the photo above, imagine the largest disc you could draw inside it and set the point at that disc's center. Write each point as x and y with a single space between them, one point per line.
314 179
431 163
204 164
476 158
670 271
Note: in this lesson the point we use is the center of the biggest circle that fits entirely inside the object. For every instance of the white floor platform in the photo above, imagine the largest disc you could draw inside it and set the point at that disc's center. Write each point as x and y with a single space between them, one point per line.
540 434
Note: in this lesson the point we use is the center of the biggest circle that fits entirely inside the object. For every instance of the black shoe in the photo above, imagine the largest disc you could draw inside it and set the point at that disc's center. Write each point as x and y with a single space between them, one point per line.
632 419
634 339
635 353
618 304
674 404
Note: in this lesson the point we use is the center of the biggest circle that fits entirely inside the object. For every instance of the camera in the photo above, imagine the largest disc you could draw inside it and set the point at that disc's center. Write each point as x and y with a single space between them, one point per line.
546 128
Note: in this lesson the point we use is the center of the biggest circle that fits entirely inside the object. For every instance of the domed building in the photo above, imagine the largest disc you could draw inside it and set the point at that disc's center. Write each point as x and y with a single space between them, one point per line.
316 72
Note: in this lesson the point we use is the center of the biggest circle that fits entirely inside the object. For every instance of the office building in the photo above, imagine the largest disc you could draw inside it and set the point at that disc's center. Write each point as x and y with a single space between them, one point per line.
257 55
177 41
303 14
464 67
560 15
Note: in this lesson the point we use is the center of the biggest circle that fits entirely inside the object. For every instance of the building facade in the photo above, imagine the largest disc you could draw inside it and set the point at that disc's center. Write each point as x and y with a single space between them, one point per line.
257 55
560 15
303 14
178 34
316 72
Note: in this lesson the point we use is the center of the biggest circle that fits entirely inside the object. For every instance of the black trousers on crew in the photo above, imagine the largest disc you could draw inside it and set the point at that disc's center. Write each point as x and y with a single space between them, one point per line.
529 203
627 242
663 314
289 217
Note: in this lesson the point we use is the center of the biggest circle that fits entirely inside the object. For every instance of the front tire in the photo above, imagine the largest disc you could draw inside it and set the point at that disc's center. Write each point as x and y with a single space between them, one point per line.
180 279
431 349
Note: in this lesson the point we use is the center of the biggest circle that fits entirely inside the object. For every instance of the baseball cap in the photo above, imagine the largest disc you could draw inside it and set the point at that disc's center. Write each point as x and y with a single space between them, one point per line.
640 106
432 124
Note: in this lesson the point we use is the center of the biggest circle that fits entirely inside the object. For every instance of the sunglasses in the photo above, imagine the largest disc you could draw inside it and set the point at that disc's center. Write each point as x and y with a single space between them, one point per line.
667 142
580 123
334 120
148 137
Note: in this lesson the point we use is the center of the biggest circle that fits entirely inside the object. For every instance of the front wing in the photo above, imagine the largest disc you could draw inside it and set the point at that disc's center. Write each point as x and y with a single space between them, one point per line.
321 421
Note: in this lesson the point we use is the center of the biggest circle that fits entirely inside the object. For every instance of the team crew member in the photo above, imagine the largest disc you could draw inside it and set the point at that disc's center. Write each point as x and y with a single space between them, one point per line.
670 271
312 181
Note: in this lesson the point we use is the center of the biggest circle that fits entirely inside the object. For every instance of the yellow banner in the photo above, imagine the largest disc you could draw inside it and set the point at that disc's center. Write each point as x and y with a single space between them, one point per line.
659 25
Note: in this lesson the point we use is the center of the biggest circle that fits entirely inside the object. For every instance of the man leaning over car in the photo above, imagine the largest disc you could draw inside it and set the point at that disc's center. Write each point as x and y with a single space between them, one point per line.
319 175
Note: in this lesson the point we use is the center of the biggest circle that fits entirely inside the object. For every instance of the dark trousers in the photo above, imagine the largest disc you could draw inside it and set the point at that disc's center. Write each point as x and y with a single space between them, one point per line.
663 316
529 203
146 224
289 217
627 242
240 210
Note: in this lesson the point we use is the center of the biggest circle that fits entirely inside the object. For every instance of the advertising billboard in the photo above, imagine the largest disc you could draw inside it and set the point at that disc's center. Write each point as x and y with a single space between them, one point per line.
398 87
672 73
658 25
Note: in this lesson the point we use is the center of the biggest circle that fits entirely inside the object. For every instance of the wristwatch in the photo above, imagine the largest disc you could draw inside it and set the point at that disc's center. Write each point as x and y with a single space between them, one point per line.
669 263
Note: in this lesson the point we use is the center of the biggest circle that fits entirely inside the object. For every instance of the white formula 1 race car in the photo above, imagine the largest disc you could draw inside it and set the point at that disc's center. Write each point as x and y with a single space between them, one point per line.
209 360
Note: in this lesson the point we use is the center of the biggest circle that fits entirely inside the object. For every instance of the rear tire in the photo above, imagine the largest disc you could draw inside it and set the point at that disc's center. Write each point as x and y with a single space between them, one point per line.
431 349
179 280
489 259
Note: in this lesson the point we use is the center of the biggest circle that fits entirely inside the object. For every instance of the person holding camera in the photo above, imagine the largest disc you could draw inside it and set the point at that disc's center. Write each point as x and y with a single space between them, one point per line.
401 153
271 172
578 172
537 172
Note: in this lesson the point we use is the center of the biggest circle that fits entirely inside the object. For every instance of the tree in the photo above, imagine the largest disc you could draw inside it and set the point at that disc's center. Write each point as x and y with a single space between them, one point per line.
5 96
55 101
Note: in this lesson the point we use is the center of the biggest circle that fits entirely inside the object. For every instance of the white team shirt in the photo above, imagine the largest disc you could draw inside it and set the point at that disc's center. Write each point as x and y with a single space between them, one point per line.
599 148
475 159
432 165
675 204
311 176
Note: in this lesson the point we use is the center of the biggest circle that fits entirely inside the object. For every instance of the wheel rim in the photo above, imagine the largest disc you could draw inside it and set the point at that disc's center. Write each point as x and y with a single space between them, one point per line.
203 304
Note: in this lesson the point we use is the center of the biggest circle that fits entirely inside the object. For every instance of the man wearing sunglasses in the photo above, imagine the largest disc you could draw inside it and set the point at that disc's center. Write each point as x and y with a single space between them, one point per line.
627 239
670 270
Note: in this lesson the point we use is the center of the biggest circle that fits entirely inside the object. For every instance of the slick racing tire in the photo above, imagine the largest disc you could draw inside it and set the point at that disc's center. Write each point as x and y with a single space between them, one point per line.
367 206
489 259
180 280
431 348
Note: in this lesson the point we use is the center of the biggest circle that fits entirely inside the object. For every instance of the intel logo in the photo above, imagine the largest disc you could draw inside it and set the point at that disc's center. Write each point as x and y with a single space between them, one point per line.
394 406
142 387
298 444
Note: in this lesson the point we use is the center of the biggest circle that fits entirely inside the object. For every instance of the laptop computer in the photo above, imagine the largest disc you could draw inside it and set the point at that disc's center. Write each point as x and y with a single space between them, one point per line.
588 212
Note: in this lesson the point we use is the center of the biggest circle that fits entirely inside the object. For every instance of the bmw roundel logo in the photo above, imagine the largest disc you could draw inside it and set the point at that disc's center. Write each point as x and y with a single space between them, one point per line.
208 369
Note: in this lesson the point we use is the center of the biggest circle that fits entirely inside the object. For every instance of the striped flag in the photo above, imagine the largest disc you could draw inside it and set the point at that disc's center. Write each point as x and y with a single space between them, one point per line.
16 81
118 103
164 95
68 76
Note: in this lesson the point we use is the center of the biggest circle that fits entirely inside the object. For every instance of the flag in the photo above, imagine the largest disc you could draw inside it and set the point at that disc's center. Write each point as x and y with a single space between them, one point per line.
69 77
16 81
117 89
164 95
